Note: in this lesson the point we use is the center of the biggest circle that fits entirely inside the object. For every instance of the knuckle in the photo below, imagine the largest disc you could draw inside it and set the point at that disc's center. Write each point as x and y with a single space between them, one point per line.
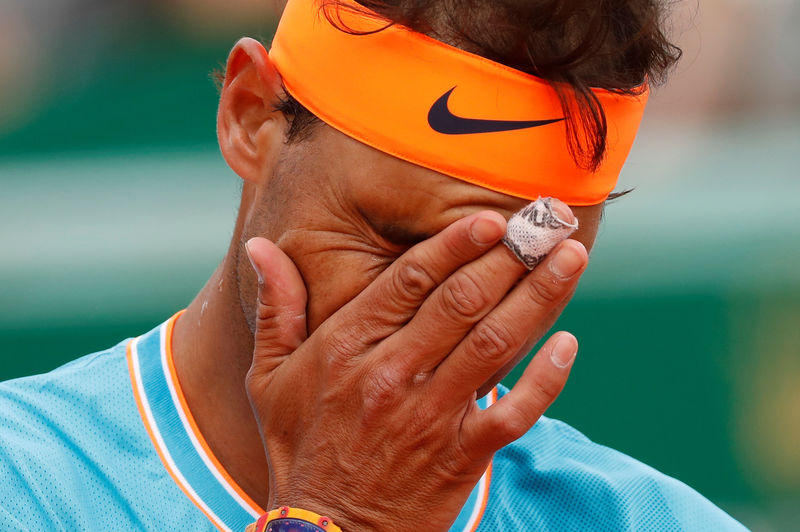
491 340
266 315
545 392
515 424
412 281
544 292
463 296
340 344
381 390
457 244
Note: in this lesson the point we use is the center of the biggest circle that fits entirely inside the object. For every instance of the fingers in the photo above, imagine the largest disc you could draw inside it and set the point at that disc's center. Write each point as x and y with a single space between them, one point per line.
281 308
501 334
460 302
394 297
486 431
453 309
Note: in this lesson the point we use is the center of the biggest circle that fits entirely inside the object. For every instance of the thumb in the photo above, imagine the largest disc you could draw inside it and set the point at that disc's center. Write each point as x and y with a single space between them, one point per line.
281 308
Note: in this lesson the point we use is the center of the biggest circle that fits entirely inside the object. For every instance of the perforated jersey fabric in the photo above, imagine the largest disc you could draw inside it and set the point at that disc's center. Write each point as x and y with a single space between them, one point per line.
533 231
76 453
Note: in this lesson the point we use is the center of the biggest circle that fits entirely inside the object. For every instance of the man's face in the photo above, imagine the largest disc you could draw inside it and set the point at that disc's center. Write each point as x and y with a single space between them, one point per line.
343 211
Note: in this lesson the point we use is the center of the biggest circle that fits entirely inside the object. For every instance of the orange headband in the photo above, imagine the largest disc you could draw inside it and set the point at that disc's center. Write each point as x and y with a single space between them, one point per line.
442 108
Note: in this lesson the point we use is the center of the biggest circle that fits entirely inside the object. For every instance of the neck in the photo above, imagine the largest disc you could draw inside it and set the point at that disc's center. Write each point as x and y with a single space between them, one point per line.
212 350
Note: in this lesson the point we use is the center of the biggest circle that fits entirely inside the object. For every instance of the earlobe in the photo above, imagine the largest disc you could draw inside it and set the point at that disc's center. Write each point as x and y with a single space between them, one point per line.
249 129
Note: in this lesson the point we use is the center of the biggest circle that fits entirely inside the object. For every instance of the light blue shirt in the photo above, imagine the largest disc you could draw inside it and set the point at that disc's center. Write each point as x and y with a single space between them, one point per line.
106 442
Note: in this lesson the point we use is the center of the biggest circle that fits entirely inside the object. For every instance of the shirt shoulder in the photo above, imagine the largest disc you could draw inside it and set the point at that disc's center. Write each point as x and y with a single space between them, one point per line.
555 478
73 449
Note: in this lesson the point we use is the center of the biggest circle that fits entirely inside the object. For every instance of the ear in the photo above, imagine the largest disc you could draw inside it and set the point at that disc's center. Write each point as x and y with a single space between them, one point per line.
249 129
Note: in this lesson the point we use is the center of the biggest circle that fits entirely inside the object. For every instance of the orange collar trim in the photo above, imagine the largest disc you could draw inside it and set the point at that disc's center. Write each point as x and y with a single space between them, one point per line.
188 459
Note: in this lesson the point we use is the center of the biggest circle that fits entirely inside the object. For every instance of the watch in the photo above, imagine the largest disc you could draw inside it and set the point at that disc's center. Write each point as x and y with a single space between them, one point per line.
286 519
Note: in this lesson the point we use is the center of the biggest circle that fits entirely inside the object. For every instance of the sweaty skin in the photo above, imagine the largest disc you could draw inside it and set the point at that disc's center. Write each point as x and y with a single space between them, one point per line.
342 212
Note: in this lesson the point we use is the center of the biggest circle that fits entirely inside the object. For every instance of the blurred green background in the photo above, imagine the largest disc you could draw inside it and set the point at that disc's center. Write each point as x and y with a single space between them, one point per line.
115 207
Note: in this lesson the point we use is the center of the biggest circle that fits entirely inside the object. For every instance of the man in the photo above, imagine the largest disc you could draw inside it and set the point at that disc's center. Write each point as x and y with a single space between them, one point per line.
340 365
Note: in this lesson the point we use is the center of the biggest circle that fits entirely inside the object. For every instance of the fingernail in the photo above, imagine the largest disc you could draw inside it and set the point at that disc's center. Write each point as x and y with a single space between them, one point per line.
563 211
566 262
485 231
563 353
252 262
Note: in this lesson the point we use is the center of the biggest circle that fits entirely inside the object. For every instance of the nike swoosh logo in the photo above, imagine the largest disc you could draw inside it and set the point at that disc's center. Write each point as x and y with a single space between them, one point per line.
443 121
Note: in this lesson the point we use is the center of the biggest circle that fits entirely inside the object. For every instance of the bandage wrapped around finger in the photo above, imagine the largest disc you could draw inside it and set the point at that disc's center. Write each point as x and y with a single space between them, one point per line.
535 230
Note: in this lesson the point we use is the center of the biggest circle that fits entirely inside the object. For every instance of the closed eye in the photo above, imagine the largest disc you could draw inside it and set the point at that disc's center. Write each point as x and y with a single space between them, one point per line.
401 235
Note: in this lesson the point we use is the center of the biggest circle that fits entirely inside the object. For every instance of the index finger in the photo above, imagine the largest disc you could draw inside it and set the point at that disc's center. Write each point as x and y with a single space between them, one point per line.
396 294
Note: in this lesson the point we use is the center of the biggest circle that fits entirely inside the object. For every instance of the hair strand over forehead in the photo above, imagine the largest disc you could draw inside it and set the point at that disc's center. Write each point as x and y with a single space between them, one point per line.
617 45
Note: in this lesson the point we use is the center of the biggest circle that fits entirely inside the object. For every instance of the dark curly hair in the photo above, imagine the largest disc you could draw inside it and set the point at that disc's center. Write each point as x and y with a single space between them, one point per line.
574 44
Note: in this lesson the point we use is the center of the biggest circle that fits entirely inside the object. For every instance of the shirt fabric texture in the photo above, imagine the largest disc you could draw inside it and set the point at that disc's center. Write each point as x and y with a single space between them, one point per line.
107 442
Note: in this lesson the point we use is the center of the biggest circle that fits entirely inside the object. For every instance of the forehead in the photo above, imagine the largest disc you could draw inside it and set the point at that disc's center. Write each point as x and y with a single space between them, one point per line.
334 182
387 189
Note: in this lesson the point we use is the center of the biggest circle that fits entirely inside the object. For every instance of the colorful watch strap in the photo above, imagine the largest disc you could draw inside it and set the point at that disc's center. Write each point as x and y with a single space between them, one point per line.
285 519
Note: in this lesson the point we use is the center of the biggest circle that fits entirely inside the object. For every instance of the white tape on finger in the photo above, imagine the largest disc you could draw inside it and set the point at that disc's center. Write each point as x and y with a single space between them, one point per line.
535 230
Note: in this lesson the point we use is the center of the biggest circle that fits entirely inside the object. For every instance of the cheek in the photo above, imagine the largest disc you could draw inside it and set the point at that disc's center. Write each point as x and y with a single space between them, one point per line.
334 278
589 218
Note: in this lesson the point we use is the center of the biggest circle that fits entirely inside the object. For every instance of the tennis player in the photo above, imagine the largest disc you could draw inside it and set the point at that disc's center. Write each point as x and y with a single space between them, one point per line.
339 370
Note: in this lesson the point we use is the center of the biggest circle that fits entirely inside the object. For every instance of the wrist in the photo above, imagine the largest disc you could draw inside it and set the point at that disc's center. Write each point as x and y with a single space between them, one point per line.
335 505
347 517
286 519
